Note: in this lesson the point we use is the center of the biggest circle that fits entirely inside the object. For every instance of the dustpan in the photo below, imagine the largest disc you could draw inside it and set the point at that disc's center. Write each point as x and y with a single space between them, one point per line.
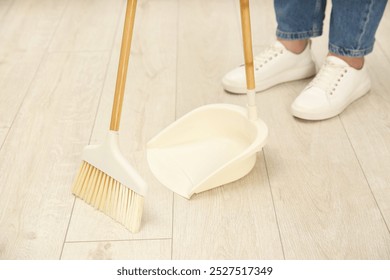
214 144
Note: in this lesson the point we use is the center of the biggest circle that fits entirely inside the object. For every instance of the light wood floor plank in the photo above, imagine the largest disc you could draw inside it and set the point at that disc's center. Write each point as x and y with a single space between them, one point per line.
17 70
206 51
323 203
30 24
40 155
263 23
5 5
235 221
118 250
87 25
382 38
149 106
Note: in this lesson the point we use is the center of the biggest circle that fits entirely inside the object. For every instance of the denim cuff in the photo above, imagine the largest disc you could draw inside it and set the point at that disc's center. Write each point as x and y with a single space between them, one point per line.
350 52
298 35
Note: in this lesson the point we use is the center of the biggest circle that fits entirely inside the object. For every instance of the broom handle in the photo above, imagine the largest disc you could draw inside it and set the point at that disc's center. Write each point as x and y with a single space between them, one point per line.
248 55
123 65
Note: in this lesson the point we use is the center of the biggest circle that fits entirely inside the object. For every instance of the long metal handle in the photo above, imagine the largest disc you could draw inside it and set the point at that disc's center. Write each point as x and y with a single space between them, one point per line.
123 65
248 55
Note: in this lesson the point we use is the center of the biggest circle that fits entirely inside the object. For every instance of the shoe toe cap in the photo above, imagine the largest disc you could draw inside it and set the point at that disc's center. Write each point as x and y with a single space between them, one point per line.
235 80
310 102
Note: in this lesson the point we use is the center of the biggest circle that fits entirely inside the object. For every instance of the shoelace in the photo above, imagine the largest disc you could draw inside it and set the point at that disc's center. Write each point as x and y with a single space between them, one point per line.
267 55
329 77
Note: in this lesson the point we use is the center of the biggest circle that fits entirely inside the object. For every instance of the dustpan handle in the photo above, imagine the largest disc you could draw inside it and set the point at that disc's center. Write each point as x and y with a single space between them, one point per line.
123 65
248 55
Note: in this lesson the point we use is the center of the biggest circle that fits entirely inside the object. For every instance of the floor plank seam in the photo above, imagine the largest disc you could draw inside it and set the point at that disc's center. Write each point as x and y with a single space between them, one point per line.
365 176
177 54
173 219
67 229
387 56
47 49
80 51
8 9
273 203
176 95
23 100
107 69
379 46
117 240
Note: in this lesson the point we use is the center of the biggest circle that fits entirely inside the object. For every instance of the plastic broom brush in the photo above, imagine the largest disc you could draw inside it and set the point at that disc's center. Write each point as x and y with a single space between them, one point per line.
106 180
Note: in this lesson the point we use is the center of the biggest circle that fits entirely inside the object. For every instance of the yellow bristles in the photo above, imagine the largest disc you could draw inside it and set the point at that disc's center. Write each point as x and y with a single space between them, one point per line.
109 196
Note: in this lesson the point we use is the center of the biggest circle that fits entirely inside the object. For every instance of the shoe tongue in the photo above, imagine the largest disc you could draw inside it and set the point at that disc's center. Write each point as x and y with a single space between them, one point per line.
335 60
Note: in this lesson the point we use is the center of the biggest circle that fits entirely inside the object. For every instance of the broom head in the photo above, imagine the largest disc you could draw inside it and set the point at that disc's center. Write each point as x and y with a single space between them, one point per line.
108 182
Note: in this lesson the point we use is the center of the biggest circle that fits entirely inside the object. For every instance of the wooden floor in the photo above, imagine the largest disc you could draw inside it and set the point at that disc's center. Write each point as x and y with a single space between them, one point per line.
319 190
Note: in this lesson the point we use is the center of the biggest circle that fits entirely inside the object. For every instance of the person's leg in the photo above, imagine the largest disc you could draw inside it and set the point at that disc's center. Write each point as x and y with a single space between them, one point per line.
352 29
289 58
298 20
343 78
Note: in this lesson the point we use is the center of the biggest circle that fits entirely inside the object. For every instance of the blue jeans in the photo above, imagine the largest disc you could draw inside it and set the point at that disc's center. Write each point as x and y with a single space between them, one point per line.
353 23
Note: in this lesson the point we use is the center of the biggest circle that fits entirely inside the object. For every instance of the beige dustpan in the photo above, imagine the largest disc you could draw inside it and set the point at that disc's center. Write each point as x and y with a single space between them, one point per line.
214 144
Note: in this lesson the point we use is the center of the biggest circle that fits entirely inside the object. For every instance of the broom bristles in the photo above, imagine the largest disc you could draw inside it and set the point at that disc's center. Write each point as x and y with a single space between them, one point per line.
109 196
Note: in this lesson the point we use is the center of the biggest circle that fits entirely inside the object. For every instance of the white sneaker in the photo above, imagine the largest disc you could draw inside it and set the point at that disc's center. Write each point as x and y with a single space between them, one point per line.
273 66
335 87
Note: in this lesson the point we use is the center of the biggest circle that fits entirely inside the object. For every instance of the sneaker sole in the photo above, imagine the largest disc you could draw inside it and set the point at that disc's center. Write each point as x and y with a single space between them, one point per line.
287 76
314 116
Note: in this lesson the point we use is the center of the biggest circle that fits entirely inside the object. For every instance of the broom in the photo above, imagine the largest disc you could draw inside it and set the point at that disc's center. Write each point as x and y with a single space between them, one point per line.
106 180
